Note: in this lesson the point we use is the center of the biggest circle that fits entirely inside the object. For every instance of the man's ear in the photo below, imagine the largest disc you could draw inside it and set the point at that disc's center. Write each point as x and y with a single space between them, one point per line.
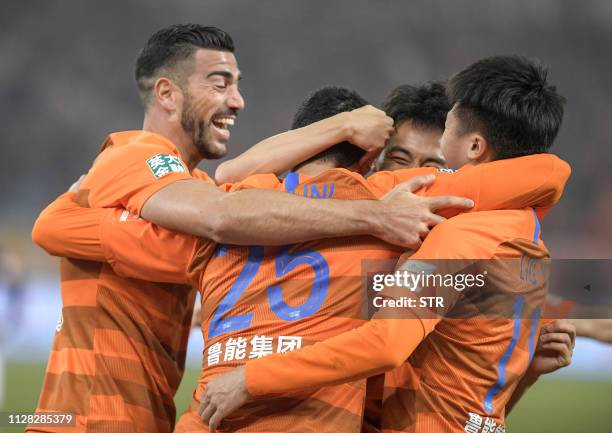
168 95
479 148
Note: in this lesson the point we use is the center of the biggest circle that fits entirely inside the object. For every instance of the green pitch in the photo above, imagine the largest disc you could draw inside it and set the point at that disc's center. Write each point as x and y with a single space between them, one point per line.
553 405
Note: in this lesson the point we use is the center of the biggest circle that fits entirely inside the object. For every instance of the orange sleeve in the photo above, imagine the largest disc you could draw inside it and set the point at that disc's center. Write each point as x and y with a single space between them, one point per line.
127 176
65 229
375 347
133 247
343 358
136 248
529 181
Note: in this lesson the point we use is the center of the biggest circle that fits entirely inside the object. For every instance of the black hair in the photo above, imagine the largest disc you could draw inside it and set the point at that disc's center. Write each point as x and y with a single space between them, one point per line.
425 105
509 100
173 44
323 103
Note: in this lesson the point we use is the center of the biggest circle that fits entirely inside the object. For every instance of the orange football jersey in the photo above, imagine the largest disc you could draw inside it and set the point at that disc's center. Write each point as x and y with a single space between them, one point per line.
262 300
462 366
462 375
119 352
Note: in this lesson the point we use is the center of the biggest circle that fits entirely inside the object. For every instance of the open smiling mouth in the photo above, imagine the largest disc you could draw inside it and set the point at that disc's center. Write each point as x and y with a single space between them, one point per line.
223 123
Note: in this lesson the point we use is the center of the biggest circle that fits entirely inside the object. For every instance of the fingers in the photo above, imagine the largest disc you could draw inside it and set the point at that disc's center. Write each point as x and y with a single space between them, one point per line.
208 412
412 241
564 326
204 403
214 422
562 351
557 337
435 219
417 183
371 128
561 344
422 230
446 201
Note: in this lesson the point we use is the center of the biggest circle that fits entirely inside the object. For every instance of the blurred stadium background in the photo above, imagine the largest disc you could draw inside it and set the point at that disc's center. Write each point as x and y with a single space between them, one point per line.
66 75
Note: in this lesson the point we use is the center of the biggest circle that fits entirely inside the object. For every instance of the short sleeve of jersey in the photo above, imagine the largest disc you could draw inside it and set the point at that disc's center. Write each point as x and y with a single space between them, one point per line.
136 248
128 175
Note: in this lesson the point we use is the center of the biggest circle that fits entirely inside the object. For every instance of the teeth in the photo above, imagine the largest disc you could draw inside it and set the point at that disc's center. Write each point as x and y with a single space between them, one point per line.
225 121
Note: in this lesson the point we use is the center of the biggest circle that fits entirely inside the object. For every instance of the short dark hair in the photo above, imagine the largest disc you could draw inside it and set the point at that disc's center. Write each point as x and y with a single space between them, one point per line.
425 106
173 44
323 103
509 100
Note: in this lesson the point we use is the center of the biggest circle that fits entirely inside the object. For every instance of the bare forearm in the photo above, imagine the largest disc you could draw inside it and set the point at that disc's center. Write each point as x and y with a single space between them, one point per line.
284 151
272 218
256 216
597 329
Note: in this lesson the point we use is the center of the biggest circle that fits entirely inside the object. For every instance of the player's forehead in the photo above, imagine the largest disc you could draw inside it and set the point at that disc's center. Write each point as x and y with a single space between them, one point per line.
416 140
206 61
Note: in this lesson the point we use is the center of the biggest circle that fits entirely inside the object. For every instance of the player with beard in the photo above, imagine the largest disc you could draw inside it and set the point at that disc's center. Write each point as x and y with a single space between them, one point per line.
232 279
118 354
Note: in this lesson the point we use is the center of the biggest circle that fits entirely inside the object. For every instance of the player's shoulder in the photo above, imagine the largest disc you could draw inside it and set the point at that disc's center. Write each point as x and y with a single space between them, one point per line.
260 181
479 234
136 139
124 149
339 183
128 146
337 174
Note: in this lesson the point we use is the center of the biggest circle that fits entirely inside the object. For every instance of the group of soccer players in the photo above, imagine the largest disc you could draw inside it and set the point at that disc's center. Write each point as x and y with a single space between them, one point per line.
279 262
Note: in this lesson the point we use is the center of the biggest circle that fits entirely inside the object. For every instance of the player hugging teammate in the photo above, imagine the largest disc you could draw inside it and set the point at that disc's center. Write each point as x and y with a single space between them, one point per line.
278 261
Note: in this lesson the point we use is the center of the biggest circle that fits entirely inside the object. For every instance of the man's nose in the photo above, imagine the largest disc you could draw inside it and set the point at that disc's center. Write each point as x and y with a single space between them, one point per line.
235 100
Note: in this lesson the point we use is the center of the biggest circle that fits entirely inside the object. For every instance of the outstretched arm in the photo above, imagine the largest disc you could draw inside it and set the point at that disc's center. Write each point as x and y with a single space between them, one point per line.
259 217
158 187
597 329
366 127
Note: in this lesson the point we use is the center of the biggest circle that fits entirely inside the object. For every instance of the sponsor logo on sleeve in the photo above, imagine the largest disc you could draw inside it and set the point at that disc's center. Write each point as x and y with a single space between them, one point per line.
163 164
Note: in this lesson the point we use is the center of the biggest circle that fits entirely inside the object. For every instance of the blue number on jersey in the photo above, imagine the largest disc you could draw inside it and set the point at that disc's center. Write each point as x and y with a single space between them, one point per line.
285 263
219 324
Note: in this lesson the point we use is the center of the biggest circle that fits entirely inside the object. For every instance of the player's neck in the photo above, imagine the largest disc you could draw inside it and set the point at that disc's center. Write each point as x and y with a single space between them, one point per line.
184 144
315 168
